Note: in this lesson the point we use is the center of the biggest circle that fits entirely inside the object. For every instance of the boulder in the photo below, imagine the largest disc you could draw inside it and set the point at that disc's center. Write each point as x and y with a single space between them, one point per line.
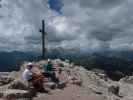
17 84
78 82
127 79
96 89
13 94
5 80
126 90
4 73
101 83
50 85
61 85
114 89
1 95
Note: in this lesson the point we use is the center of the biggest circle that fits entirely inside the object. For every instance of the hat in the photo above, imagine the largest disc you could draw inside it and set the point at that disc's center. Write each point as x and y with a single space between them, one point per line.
29 64
49 60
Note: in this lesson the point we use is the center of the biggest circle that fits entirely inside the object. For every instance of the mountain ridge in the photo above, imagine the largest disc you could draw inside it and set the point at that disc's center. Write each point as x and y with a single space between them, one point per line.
11 60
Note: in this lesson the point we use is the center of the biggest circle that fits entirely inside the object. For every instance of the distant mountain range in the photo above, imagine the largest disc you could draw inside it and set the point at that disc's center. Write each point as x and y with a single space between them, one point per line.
11 60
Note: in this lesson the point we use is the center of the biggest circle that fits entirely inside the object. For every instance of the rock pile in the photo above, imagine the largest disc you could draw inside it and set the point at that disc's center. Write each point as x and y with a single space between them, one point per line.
17 84
127 79
5 80
14 94
94 82
114 89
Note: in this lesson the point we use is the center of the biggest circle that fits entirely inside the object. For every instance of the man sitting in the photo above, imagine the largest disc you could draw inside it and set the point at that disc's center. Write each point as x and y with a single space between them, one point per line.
27 74
49 71
32 78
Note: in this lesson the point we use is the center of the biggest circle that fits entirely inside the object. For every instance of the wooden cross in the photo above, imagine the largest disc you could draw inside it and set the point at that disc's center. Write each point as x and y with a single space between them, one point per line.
43 39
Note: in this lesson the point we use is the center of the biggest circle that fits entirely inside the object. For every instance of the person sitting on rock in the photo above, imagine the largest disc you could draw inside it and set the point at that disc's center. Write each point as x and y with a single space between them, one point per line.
27 74
32 78
62 77
49 71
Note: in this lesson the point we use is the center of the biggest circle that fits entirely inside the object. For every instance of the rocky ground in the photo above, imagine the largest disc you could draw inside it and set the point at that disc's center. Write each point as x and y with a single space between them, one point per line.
95 86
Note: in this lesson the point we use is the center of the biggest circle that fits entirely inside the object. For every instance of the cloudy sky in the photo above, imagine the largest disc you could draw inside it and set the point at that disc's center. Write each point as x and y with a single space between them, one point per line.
86 24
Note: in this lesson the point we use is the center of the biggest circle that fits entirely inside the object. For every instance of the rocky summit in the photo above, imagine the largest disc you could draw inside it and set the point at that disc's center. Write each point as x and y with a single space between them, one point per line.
90 85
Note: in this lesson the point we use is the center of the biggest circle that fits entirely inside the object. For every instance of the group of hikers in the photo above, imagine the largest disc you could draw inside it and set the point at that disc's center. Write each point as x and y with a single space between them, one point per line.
50 72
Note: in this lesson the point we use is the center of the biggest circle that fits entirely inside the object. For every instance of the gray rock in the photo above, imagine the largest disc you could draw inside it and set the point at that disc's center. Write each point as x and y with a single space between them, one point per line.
1 95
114 89
126 91
127 79
61 85
13 94
96 89
50 85
4 73
17 84
78 82
5 80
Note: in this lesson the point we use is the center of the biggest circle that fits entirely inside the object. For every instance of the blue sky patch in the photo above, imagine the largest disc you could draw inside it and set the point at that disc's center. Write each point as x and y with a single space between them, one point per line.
55 5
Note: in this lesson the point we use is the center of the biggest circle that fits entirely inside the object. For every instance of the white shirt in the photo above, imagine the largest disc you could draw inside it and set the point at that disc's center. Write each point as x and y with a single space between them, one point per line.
27 75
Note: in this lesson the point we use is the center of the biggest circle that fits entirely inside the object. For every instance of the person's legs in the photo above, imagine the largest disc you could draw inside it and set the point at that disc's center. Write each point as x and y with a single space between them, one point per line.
39 86
37 82
48 75
54 78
